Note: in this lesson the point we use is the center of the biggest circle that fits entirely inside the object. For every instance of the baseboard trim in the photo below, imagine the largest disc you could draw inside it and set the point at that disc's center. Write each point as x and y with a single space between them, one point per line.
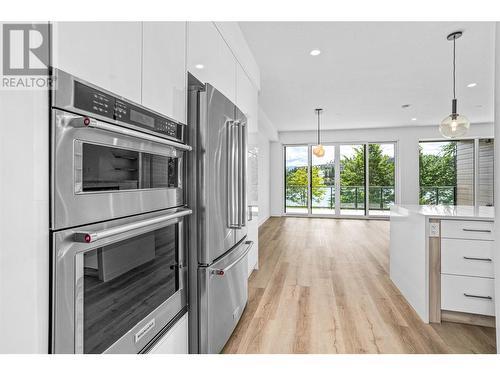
466 318
261 223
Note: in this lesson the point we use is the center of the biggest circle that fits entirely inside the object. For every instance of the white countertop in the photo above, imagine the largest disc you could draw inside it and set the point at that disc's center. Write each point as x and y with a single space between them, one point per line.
445 211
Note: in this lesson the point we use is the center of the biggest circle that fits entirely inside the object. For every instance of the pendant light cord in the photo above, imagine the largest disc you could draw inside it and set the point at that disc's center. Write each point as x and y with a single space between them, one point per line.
454 69
318 128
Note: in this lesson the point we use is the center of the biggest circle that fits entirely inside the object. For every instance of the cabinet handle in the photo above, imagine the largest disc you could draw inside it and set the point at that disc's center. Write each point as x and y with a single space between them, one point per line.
483 259
476 296
477 230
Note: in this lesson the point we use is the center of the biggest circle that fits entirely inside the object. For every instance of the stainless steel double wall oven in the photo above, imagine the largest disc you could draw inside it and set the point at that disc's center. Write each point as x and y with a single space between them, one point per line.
117 221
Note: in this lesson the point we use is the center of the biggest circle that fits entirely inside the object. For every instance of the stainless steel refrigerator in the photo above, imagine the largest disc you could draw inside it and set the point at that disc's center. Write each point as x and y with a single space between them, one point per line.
218 248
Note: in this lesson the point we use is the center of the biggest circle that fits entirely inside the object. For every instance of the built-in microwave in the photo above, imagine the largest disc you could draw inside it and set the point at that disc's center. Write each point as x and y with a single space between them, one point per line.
110 158
118 284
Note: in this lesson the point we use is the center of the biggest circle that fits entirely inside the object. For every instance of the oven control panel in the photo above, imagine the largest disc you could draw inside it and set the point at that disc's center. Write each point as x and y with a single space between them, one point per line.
92 100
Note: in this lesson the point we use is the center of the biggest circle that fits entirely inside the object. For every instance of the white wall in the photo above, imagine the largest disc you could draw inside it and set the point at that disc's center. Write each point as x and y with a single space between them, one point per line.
497 182
264 188
267 134
24 221
407 139
276 179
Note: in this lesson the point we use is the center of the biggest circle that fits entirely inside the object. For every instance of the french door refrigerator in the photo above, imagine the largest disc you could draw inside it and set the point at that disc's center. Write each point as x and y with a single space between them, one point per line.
218 244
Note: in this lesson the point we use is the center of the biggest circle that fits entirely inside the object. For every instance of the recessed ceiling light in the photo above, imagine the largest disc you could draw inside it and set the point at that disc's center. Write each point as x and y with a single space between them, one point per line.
199 66
473 84
315 52
414 119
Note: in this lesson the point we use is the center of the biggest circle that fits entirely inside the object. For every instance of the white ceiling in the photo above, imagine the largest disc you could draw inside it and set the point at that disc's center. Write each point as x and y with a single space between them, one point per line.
367 70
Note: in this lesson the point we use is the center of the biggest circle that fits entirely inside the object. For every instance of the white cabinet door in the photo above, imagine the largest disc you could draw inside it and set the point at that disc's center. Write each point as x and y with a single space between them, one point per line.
247 99
164 68
210 59
107 54
175 340
247 102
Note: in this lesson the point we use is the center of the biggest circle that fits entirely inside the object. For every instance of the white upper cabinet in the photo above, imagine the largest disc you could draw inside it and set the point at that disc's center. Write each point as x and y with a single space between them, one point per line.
164 68
107 54
210 59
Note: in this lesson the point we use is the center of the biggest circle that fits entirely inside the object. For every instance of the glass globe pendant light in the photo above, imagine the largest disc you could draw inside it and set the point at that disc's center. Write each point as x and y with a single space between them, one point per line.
454 125
319 150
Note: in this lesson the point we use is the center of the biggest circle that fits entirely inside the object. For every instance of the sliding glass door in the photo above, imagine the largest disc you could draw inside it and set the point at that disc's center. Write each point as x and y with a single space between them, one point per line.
352 180
349 180
323 182
297 179
381 177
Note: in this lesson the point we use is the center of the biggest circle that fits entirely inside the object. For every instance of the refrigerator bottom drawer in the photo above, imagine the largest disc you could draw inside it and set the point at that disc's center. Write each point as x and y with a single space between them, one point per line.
224 296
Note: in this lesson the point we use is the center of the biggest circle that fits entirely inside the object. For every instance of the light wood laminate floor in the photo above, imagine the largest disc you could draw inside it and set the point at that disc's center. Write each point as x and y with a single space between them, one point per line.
323 287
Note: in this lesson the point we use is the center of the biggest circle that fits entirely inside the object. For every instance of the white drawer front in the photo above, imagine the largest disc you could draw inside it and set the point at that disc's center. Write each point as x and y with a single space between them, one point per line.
467 294
474 230
467 257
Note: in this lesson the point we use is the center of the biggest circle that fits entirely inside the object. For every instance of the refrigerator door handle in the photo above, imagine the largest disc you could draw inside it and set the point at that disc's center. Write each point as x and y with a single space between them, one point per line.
233 220
222 271
242 173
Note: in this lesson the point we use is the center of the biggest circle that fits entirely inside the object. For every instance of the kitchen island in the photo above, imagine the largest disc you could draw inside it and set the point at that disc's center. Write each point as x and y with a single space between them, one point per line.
441 259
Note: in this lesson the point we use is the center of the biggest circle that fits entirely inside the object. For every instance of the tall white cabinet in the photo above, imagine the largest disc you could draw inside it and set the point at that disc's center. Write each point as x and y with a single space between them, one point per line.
107 54
210 59
164 68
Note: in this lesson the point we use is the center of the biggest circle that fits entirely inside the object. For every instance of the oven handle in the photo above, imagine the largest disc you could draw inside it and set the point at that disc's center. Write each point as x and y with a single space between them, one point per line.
87 122
89 237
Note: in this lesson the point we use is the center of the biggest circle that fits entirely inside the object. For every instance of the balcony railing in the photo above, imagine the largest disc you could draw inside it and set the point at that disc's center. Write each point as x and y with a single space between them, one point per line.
438 195
351 197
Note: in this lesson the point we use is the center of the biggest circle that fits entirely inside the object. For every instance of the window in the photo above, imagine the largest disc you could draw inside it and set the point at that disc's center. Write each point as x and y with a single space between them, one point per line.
449 173
349 180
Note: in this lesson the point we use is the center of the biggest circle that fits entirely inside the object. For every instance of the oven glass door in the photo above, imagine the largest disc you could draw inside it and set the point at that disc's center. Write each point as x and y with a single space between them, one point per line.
106 168
125 282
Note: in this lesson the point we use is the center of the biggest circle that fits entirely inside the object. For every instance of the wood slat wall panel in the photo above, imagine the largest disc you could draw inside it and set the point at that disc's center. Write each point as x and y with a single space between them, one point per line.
465 173
486 173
